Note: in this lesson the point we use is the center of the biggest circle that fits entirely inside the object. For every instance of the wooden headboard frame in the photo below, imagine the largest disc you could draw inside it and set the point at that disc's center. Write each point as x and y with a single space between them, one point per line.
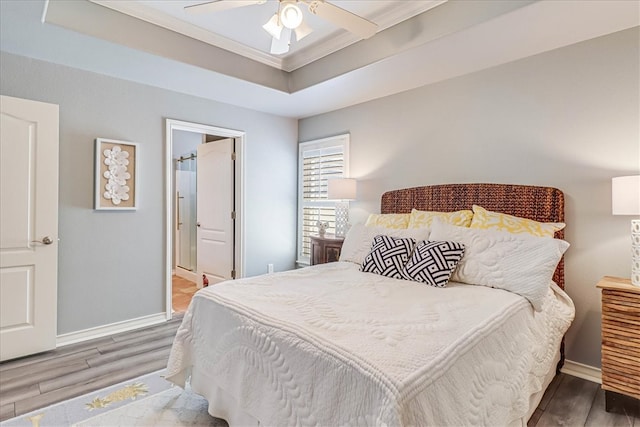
544 204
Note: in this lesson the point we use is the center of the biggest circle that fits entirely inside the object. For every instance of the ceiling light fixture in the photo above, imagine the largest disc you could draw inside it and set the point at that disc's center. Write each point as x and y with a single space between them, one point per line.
302 31
273 27
290 15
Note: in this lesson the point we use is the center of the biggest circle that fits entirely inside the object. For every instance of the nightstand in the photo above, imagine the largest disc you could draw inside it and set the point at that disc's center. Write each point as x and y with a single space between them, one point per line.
620 345
325 248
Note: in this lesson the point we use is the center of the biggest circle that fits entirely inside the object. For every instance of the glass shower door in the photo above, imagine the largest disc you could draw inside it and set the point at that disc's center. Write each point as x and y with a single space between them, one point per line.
186 213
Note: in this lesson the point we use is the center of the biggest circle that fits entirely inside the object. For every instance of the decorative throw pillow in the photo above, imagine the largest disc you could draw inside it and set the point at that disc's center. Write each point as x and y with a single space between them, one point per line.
433 262
388 256
488 220
419 219
357 242
394 221
518 263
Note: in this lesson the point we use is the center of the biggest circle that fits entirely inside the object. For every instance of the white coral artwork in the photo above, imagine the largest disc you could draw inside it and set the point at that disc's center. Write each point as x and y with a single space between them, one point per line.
116 188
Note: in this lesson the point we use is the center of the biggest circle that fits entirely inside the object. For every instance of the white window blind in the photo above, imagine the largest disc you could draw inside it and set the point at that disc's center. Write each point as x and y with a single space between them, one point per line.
318 162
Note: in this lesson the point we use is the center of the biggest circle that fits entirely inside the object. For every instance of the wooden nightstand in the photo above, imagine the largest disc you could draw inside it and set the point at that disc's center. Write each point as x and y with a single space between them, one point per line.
325 248
620 345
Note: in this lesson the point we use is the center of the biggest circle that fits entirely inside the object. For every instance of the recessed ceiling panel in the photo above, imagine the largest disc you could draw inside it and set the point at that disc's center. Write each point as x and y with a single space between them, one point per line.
239 29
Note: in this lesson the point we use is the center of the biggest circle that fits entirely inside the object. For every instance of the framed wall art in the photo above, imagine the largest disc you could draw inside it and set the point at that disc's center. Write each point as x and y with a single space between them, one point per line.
116 175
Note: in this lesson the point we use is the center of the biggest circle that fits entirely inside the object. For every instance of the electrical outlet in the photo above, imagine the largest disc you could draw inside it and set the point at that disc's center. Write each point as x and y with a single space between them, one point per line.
269 268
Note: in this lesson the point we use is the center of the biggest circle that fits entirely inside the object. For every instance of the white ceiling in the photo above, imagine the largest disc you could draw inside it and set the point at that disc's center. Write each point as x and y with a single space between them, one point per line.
448 40
239 30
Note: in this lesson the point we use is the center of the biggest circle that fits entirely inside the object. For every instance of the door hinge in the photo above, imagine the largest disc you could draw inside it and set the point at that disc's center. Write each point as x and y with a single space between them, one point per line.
233 274
233 155
233 214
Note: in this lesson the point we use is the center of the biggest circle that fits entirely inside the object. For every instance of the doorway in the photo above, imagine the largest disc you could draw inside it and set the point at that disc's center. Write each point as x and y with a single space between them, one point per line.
189 224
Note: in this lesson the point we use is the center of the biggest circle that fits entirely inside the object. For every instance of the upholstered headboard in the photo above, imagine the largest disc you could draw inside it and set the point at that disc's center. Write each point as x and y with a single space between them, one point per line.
544 204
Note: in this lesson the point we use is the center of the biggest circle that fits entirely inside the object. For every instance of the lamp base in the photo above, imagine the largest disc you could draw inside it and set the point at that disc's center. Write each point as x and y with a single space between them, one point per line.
342 218
635 252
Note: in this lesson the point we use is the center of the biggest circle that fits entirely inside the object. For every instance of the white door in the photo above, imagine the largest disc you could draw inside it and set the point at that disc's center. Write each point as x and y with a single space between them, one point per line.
28 226
215 195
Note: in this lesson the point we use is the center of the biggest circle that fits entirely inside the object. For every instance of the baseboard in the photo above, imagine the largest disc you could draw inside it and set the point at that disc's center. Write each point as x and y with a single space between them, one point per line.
580 370
113 328
189 275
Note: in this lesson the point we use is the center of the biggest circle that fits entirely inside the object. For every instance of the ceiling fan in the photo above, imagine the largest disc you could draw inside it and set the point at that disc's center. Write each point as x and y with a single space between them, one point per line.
289 19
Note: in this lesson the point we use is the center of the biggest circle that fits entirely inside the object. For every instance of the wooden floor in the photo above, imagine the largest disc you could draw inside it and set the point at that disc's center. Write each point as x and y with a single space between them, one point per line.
36 381
182 291
40 380
571 401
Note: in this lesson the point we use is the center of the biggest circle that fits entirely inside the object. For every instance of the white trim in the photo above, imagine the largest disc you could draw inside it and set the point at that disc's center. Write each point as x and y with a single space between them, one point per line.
113 328
240 138
586 372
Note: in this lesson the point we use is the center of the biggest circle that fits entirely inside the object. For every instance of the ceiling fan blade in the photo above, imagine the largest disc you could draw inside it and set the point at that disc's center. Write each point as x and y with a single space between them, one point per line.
280 46
219 5
343 18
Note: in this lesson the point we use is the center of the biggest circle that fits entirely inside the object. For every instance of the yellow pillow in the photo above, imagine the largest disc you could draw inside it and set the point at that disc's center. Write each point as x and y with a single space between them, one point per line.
488 220
421 219
394 221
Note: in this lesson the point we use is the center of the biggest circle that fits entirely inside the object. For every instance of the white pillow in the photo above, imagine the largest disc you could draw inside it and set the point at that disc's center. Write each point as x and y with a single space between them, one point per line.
518 263
357 242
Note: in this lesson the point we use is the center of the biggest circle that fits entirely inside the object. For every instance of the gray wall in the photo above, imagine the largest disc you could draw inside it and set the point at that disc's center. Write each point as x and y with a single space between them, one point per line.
568 118
110 263
184 143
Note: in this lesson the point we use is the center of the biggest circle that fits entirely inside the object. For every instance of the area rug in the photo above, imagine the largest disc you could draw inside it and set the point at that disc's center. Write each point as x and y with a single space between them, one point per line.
149 400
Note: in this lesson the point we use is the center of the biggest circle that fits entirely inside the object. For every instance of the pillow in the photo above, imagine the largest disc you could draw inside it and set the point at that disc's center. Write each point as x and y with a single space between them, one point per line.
394 221
419 219
357 242
488 220
433 262
388 256
517 263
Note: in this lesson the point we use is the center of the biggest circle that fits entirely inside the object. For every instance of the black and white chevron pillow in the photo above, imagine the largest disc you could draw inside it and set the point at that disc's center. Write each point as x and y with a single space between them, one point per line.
433 262
388 256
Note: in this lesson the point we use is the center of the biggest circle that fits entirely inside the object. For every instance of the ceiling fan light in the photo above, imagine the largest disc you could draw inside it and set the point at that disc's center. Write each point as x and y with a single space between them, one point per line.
290 15
281 46
302 31
273 26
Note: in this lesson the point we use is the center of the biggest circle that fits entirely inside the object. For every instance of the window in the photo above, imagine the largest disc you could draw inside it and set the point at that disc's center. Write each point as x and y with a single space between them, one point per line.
318 161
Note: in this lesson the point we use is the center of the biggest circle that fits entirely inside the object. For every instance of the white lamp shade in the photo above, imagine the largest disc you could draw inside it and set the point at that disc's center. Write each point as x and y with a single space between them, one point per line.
302 31
341 189
625 195
273 26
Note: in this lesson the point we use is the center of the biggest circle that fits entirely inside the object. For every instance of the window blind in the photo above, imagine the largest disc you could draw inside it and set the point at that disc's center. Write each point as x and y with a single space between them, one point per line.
319 161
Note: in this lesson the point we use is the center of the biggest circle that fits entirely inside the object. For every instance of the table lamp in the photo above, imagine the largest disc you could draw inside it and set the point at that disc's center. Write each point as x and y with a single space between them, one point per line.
625 200
341 190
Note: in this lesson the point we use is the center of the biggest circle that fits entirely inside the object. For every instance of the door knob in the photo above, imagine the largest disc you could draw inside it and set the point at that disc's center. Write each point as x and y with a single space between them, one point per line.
46 240
197 224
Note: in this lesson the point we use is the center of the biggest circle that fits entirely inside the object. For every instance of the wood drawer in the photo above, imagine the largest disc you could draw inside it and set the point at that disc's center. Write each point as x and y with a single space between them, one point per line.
621 342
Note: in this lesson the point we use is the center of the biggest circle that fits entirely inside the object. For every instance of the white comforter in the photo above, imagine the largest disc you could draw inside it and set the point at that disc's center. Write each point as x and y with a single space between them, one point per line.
328 345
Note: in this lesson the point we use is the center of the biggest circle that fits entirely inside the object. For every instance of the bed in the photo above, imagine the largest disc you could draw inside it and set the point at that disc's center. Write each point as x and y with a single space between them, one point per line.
331 345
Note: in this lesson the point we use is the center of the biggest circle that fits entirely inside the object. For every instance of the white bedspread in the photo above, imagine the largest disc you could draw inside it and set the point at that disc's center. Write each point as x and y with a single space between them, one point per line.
328 345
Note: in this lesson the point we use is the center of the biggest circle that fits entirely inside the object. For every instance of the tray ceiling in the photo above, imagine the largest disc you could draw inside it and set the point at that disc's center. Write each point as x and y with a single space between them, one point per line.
240 31
448 40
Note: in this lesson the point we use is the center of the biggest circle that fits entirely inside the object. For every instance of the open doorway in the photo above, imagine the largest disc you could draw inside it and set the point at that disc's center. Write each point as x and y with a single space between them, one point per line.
204 221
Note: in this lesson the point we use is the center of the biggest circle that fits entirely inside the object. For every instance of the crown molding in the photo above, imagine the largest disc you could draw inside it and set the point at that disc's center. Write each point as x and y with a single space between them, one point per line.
385 19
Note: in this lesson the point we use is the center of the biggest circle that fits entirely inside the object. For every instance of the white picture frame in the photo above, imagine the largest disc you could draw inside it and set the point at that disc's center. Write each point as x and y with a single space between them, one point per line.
116 175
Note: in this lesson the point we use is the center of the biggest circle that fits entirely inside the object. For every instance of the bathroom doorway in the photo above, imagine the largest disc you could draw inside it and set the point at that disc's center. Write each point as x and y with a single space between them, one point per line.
204 221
